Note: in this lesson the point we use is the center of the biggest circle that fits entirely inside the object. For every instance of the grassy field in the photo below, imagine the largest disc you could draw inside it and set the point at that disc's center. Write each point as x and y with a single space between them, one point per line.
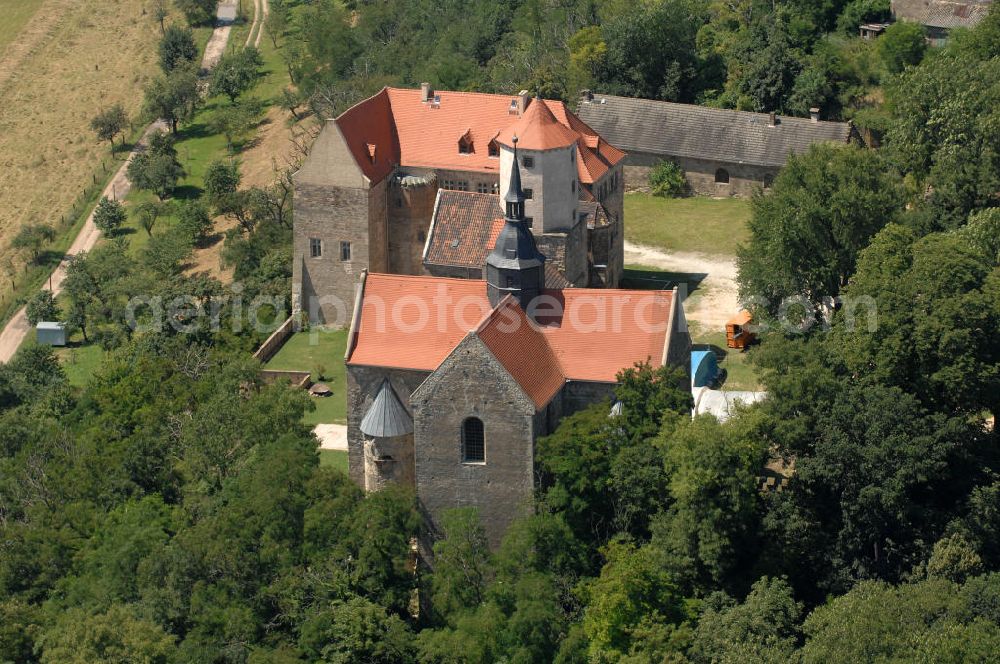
16 14
316 351
334 459
698 224
80 361
73 58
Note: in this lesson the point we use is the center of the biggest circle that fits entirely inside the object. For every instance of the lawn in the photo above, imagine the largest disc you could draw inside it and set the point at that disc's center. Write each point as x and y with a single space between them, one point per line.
80 361
697 224
16 14
334 459
322 353
740 374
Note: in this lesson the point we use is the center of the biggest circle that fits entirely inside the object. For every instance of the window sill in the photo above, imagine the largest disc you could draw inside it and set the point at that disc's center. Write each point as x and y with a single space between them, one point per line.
473 463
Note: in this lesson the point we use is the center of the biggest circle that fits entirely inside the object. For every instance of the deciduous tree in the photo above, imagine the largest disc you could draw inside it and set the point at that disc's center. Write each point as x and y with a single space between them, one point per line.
177 49
109 123
109 215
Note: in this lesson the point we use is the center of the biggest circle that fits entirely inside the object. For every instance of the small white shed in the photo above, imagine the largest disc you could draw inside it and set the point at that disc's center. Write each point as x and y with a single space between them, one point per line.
51 333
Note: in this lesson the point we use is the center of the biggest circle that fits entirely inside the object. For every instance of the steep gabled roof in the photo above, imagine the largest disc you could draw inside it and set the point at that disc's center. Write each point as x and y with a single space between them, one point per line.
464 228
699 132
371 137
522 350
410 322
605 330
407 131
398 322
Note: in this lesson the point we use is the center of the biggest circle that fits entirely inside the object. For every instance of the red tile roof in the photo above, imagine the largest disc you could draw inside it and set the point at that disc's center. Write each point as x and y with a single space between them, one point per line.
538 129
522 349
414 322
371 137
408 132
399 326
603 331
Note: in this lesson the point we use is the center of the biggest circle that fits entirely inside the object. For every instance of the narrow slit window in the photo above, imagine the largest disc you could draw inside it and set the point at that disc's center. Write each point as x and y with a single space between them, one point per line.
345 251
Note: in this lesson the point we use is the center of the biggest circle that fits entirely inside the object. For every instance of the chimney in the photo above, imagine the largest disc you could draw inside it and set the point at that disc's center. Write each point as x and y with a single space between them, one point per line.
522 102
586 96
814 114
426 92
772 119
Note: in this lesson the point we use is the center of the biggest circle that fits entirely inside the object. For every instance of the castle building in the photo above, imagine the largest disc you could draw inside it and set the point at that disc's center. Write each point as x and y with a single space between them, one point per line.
452 380
721 151
408 182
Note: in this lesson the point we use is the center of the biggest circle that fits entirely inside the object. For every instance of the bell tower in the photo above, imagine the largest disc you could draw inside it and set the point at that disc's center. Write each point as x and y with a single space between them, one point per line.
515 265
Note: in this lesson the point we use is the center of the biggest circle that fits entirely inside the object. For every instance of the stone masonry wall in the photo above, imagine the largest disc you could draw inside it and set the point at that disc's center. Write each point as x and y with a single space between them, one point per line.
470 382
700 173
362 386
331 214
410 212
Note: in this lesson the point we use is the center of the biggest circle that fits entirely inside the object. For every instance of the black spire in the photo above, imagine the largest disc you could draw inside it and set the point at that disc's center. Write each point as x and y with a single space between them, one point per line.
515 265
515 195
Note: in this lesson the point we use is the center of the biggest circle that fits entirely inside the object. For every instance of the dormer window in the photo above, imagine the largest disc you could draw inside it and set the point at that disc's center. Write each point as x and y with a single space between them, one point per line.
494 149
465 144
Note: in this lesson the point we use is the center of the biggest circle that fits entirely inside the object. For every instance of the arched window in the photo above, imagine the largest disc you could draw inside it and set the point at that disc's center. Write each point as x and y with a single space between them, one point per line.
722 176
473 444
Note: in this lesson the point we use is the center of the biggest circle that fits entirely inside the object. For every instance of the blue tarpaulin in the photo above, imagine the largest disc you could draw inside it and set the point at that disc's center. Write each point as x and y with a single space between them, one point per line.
704 368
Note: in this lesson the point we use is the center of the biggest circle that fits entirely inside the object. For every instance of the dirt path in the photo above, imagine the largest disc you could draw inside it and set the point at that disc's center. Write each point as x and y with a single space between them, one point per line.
216 46
260 12
17 328
715 300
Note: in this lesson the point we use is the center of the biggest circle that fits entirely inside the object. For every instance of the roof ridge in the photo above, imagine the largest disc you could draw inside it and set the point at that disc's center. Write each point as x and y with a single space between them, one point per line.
421 277
492 313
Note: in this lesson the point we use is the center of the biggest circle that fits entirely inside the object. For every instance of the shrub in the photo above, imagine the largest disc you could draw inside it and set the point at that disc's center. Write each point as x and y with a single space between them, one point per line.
667 180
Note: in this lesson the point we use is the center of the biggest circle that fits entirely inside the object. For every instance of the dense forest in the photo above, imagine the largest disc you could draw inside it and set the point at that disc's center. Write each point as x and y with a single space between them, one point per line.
759 55
174 510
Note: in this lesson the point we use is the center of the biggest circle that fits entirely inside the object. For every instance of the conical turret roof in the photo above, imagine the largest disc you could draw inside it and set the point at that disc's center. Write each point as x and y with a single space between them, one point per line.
538 129
386 417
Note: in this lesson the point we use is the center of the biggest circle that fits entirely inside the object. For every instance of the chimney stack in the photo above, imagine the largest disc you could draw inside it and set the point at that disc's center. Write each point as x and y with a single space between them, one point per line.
522 102
426 92
814 114
772 119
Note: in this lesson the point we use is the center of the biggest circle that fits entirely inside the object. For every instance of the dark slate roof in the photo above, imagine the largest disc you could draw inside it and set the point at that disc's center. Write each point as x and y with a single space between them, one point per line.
937 14
464 231
699 132
464 228
386 417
